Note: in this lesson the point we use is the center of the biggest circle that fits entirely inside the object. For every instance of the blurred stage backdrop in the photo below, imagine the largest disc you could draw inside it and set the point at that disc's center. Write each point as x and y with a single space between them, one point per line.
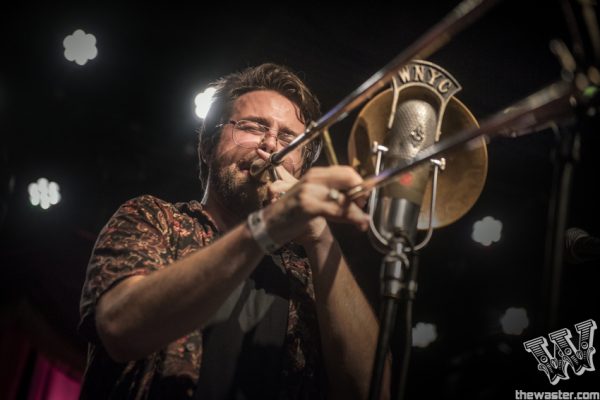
106 118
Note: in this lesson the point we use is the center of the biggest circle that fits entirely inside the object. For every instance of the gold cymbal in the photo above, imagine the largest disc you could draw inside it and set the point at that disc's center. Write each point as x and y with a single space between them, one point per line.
462 181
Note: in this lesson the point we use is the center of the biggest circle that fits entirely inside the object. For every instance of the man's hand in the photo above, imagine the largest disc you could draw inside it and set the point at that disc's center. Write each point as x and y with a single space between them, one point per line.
300 214
277 189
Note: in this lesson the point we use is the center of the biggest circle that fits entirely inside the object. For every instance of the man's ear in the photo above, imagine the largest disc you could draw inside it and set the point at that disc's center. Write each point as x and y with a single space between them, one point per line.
201 155
206 190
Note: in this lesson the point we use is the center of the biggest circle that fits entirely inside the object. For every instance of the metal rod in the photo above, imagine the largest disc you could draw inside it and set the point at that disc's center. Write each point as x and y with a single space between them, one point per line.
459 18
388 321
551 103
566 158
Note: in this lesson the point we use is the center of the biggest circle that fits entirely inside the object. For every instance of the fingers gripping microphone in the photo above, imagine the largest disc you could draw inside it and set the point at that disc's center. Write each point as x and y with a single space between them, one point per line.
421 94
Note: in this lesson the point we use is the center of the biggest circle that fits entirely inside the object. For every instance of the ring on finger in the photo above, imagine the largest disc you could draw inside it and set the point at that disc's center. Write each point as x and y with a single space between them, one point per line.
333 195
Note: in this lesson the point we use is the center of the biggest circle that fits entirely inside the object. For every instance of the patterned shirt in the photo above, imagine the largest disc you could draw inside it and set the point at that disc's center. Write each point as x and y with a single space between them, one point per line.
147 234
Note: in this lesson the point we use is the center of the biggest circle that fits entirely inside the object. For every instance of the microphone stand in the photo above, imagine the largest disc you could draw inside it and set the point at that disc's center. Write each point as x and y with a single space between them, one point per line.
566 156
398 289
405 327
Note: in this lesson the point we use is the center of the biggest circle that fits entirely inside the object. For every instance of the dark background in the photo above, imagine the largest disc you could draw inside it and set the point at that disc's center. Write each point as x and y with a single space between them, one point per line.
124 125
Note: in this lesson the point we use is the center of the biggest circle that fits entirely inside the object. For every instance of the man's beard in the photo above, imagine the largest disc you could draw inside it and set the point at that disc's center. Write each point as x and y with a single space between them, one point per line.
241 194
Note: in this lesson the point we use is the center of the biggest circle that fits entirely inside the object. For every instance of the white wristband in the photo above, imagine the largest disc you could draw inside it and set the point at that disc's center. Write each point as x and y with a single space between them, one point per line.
258 229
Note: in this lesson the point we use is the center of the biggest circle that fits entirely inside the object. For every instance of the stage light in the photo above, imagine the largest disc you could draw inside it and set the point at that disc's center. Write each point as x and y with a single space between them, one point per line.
487 231
80 47
44 193
514 321
203 102
423 334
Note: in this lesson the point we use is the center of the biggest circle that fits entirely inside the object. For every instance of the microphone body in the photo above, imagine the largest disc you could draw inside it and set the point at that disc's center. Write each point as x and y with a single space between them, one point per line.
580 247
399 203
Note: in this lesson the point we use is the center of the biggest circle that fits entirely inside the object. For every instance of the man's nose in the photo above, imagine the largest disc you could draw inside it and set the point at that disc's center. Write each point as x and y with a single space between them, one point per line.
269 142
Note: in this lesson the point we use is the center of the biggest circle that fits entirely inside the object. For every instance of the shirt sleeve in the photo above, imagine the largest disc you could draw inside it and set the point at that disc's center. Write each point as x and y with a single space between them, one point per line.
133 242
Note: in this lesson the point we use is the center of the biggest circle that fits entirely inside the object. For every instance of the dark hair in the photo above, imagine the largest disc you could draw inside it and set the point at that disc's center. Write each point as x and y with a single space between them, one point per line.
263 77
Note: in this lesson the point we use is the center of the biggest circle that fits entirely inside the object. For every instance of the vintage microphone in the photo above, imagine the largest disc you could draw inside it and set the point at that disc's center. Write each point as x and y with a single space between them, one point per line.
414 123
396 216
399 203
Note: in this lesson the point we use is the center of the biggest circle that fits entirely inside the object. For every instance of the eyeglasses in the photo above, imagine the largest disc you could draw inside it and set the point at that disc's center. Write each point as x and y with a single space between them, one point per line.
249 133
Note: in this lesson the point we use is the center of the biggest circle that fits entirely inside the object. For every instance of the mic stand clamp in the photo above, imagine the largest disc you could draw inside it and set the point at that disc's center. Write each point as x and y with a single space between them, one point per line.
392 274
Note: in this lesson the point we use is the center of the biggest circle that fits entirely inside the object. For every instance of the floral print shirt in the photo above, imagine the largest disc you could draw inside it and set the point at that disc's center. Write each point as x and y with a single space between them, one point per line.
147 234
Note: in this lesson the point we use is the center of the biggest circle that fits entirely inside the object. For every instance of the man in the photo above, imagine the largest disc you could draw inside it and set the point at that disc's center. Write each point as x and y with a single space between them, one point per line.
219 300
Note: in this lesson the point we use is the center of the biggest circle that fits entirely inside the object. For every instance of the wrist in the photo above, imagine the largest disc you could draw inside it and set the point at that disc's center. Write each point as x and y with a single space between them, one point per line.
258 229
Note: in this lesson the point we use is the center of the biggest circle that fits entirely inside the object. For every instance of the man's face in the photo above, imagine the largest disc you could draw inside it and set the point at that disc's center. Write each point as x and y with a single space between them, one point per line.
230 163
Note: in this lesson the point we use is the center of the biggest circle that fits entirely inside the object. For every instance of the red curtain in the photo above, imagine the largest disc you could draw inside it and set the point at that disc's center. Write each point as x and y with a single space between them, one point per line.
50 382
25 373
